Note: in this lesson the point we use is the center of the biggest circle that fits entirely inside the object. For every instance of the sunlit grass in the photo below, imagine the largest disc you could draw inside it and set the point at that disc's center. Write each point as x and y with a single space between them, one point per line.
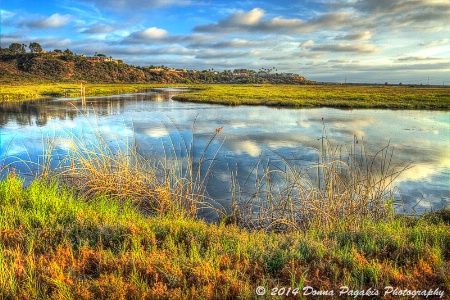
69 90
107 223
344 96
56 245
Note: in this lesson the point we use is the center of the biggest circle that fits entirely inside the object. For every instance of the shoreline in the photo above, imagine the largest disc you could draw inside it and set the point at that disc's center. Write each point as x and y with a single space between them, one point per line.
289 96
57 243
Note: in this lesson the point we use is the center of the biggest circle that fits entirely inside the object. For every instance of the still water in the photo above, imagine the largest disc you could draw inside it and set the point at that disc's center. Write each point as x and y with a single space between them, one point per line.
248 133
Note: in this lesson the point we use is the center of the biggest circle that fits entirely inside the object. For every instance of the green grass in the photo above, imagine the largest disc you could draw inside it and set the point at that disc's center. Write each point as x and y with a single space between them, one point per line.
343 96
108 223
56 245
70 90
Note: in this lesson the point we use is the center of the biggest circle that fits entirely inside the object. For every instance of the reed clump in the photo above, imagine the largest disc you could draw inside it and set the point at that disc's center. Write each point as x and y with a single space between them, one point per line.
101 221
342 188
93 167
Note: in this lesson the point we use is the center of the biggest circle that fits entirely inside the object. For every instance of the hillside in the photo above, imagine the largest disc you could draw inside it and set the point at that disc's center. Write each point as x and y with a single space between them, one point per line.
39 67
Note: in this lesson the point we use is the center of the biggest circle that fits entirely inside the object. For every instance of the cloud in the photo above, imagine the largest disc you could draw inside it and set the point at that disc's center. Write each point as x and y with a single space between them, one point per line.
246 146
423 15
248 19
237 43
137 4
420 58
54 21
151 33
6 14
156 132
362 48
361 36
435 43
146 35
234 22
252 21
290 57
99 28
211 53
307 44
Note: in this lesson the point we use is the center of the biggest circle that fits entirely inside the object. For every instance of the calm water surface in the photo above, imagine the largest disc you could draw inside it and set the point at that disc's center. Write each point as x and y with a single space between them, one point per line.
420 137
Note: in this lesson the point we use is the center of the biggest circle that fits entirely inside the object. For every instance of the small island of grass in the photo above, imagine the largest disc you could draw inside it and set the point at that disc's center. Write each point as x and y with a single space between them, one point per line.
341 96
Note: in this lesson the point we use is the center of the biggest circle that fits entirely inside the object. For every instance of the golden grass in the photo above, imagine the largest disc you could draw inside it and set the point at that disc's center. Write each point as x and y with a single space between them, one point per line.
56 245
341 189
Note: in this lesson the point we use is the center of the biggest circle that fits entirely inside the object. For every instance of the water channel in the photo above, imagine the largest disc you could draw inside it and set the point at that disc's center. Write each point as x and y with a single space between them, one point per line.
421 138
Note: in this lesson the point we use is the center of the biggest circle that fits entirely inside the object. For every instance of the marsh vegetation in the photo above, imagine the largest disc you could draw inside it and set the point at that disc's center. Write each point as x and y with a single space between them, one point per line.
105 222
101 220
341 96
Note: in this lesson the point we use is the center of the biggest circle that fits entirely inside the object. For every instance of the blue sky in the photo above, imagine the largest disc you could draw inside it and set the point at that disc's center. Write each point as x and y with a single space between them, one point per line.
325 40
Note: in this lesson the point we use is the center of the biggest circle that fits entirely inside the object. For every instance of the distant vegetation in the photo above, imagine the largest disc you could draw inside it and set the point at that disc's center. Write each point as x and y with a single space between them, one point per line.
38 65
344 96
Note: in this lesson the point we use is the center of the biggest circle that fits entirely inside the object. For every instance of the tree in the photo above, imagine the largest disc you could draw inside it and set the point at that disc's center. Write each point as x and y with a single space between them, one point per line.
35 47
17 48
68 52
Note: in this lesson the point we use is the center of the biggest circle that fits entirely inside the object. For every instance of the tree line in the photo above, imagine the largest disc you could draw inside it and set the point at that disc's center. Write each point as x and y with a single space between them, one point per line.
17 48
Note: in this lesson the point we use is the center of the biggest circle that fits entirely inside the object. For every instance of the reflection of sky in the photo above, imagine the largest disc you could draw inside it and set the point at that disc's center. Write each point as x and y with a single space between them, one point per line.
420 137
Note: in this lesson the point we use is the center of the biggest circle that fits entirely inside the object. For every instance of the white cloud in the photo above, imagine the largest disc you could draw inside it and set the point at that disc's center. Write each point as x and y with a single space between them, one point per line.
152 33
241 18
6 14
146 35
54 21
253 21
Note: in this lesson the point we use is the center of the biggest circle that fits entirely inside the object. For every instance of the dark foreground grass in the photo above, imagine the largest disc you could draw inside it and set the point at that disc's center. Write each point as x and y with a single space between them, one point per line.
56 245
343 96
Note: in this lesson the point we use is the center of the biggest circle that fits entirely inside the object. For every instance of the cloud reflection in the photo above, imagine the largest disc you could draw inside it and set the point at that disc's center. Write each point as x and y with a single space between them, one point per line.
419 137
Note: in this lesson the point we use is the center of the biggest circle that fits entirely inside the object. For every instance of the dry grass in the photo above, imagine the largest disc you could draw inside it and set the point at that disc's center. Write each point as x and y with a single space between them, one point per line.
107 223
341 189
56 245
175 184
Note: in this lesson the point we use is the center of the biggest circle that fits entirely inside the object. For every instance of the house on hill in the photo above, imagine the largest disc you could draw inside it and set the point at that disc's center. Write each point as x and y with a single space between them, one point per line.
99 58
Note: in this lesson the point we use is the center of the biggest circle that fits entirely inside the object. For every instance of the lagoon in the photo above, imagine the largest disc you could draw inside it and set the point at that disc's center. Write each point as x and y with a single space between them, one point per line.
247 134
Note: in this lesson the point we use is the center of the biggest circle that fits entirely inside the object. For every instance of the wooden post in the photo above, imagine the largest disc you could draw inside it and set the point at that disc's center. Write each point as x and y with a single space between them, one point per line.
83 95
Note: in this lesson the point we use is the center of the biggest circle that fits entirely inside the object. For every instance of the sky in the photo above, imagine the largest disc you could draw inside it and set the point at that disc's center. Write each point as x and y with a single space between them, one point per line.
373 41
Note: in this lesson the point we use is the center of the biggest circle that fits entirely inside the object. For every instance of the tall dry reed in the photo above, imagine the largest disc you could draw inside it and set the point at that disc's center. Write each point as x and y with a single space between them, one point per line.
175 184
341 189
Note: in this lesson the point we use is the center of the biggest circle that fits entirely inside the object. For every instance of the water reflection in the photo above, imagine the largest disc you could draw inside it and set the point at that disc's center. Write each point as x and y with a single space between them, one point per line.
420 137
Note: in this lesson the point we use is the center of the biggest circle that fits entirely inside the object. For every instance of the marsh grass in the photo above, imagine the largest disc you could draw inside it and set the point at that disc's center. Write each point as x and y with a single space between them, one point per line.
100 221
56 244
342 189
175 184
9 93
340 96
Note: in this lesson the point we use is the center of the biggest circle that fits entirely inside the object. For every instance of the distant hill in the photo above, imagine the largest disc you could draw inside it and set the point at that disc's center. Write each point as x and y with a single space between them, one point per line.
47 67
